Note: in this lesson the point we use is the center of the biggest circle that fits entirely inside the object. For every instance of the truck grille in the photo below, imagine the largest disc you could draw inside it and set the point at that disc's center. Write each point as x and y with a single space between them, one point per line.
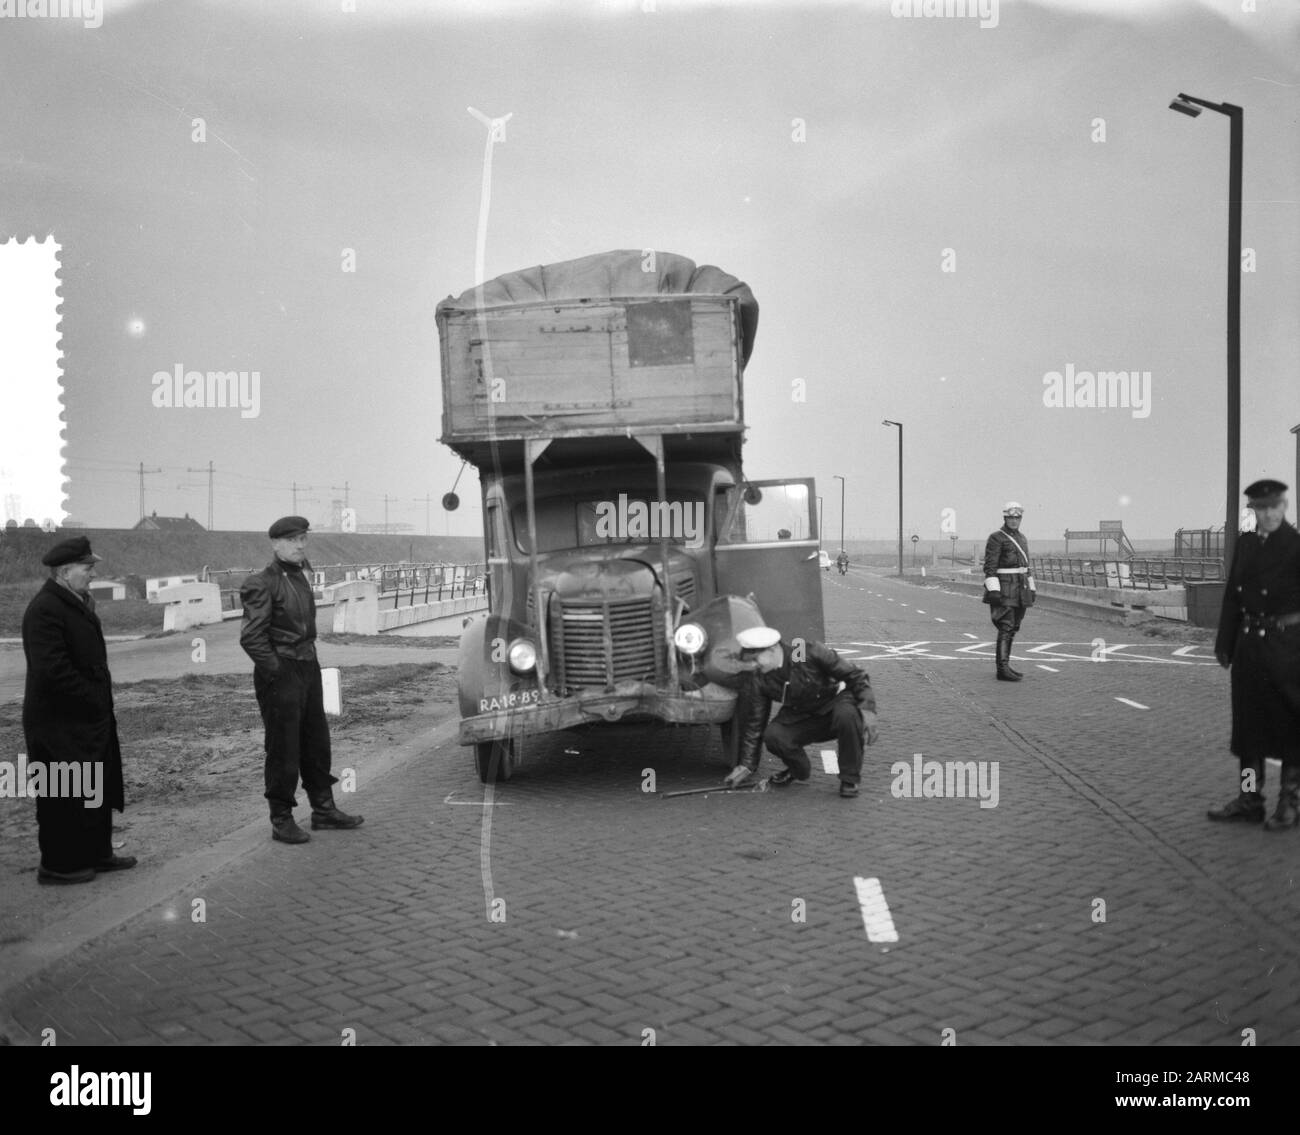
596 644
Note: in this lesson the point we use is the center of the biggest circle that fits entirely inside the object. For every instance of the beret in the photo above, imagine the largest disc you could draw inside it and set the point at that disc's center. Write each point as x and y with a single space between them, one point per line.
288 526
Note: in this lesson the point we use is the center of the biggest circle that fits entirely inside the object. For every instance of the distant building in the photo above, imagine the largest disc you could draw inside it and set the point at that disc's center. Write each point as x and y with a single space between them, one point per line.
109 589
174 524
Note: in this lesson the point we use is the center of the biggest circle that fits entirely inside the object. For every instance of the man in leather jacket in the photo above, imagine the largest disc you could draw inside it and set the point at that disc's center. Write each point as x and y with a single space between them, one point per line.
822 697
279 635
1008 585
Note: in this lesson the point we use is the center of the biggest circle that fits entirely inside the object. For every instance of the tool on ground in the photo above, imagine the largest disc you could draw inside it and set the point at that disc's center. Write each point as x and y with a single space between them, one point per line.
756 786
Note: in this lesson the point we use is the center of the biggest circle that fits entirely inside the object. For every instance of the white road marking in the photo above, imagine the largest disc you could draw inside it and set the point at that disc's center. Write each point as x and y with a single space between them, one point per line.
476 803
939 620
1052 669
1134 704
968 634
830 762
919 611
875 910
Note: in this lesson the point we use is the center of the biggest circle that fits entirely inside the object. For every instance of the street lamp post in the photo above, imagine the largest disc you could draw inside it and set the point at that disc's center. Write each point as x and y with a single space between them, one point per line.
887 422
821 534
844 484
1190 106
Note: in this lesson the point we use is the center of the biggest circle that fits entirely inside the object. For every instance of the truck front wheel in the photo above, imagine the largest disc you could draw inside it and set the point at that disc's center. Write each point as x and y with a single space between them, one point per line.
495 761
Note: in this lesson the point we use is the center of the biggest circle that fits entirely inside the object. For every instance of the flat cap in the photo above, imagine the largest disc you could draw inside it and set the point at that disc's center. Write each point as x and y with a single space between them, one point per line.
1264 494
757 639
73 551
288 526
1013 508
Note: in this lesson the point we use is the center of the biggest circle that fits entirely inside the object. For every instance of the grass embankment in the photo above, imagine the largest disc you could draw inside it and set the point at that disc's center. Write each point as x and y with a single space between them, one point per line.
125 616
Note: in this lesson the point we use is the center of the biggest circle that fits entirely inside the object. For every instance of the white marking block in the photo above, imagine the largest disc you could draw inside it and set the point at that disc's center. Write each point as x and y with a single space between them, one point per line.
830 762
875 911
1134 704
332 690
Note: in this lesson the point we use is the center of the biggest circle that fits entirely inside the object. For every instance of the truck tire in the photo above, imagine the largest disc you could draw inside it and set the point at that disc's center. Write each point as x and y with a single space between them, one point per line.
495 761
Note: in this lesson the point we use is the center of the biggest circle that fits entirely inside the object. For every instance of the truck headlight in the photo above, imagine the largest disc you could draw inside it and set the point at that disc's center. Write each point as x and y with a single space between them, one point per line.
522 656
690 638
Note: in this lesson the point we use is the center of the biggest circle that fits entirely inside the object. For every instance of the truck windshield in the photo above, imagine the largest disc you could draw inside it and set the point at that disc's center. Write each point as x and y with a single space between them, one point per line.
622 517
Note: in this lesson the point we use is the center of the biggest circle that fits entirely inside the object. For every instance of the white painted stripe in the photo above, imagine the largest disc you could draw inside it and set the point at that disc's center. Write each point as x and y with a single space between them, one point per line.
968 634
1051 669
875 910
919 611
830 762
1134 704
939 620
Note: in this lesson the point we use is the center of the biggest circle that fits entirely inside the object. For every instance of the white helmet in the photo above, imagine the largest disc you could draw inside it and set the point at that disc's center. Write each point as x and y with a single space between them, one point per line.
1013 508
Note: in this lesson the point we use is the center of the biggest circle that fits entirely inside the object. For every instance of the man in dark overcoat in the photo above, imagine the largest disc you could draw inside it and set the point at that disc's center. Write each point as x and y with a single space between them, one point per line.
1008 584
68 722
1259 638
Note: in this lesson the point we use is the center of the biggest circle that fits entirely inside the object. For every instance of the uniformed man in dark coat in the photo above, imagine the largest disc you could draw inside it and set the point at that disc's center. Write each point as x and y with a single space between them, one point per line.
68 722
1259 638
1008 584
279 634
822 696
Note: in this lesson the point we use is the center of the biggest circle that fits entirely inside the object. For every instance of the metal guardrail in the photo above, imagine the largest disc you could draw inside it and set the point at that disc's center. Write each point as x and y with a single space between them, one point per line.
1138 574
397 581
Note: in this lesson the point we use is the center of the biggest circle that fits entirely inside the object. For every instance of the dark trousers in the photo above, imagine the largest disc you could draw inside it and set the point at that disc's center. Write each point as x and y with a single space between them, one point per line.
72 836
842 723
297 734
1007 619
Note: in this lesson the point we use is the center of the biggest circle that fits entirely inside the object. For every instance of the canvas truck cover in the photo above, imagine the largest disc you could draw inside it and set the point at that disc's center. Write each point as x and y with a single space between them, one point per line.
597 345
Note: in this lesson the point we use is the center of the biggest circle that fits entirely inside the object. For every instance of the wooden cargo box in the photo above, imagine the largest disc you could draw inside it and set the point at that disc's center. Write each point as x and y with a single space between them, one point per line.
580 368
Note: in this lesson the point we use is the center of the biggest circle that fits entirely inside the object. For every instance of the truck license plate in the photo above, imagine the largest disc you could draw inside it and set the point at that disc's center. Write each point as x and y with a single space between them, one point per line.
509 701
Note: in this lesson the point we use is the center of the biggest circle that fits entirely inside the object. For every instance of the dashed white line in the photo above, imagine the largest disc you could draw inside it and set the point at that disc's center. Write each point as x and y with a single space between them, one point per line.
1134 704
939 620
969 635
875 910
919 611
1050 669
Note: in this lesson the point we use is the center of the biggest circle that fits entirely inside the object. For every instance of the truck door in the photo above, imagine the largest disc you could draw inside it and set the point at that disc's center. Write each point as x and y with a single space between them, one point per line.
766 545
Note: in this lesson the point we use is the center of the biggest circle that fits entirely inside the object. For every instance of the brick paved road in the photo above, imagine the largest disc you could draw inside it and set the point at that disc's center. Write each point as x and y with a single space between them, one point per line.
625 912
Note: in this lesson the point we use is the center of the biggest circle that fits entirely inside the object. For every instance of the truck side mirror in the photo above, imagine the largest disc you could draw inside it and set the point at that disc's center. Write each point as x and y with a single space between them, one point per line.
451 502
753 494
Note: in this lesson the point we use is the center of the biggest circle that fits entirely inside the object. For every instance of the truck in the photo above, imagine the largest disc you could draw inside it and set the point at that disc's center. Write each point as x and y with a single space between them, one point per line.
601 402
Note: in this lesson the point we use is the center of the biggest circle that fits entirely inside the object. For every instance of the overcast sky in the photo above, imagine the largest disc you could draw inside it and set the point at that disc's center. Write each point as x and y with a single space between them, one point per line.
836 157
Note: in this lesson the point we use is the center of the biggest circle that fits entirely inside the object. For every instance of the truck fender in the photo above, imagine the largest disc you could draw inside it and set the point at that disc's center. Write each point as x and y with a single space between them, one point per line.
481 674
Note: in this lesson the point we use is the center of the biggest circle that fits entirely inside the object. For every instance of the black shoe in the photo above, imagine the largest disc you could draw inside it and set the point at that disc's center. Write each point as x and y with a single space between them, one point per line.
284 829
46 877
1246 808
333 819
1286 816
116 863
848 790
787 776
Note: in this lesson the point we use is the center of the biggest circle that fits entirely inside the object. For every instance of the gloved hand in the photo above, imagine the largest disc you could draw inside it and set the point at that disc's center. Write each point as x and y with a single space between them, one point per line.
1224 660
869 726
737 776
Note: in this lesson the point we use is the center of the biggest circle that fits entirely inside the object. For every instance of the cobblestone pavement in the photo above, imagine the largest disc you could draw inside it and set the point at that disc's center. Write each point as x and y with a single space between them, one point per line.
1093 904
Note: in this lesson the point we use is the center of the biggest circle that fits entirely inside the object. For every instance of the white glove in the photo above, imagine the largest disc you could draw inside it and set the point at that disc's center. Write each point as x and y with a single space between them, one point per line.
992 583
737 776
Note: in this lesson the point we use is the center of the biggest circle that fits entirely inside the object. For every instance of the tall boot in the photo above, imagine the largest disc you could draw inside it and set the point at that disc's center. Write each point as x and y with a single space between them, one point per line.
1287 814
1005 673
1247 807
1011 642
283 826
324 813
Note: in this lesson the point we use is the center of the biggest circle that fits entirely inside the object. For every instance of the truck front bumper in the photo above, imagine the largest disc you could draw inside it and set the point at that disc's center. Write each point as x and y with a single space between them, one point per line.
710 705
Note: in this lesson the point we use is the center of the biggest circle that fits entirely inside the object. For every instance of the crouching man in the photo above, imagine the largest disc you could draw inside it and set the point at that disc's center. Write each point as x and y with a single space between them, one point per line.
279 635
822 698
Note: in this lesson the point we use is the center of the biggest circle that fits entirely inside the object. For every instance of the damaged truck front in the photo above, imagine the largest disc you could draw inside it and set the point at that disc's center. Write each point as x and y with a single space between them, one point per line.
601 402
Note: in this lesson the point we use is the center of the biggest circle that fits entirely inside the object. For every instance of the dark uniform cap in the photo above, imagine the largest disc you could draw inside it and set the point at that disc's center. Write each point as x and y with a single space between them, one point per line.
1264 494
288 526
74 551
757 639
